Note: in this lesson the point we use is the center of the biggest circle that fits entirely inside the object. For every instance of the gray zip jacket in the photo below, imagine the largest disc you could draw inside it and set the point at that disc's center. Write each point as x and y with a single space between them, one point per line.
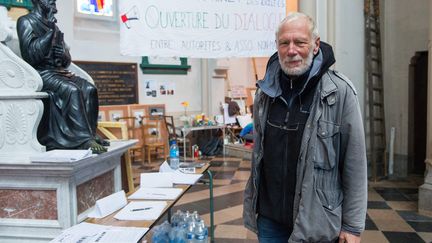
331 190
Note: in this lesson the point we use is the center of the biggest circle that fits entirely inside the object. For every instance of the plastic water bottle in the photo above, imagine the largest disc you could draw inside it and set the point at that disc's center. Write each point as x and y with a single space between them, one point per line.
176 218
161 233
177 235
174 160
190 232
195 216
201 233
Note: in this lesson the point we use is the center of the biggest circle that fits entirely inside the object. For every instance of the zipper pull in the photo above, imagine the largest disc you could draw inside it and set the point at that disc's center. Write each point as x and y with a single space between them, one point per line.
291 83
286 117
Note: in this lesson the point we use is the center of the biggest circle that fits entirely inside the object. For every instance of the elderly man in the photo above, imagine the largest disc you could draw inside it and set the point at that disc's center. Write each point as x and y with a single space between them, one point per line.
308 179
70 115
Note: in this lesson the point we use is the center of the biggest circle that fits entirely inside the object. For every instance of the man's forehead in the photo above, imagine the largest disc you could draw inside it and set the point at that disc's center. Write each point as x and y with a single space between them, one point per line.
295 27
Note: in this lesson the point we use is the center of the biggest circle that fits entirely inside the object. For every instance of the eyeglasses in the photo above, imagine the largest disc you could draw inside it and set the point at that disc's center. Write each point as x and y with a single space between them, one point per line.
284 127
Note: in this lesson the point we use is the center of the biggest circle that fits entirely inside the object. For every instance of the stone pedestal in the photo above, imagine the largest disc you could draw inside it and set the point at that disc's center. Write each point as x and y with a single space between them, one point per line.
38 200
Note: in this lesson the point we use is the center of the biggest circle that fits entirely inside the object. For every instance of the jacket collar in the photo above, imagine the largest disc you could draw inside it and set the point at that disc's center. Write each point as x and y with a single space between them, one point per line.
327 85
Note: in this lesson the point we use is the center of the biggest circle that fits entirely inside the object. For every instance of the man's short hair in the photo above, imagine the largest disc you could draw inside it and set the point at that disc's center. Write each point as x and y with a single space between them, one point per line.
294 16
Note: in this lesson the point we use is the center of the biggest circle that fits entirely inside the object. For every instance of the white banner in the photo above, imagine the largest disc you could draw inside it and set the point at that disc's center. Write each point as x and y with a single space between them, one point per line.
199 28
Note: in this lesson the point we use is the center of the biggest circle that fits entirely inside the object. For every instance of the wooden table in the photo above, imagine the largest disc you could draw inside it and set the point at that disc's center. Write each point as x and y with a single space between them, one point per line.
110 220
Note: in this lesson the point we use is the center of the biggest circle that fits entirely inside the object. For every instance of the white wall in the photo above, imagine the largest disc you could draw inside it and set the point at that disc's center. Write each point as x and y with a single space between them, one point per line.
99 41
341 24
349 43
404 32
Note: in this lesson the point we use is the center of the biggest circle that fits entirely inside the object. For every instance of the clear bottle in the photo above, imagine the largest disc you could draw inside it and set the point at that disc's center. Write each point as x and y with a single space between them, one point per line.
195 216
190 232
181 235
175 219
201 233
174 160
161 233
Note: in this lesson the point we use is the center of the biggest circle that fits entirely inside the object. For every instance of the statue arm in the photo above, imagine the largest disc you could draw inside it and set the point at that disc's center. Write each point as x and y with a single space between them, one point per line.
61 51
68 59
33 48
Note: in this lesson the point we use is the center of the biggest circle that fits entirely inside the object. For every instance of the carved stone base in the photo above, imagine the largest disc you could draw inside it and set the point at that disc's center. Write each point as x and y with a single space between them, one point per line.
42 199
21 107
18 127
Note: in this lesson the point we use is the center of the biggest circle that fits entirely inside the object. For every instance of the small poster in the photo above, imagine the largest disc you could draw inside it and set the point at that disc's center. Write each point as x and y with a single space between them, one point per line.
166 88
151 88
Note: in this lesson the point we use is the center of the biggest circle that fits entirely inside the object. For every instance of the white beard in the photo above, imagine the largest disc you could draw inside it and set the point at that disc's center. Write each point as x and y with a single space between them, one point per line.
296 71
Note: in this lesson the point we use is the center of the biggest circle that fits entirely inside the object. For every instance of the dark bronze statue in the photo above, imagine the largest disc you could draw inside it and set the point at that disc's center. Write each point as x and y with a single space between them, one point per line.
70 115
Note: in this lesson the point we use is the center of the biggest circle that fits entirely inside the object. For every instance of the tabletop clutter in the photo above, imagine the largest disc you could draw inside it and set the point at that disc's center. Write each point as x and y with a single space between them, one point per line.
145 204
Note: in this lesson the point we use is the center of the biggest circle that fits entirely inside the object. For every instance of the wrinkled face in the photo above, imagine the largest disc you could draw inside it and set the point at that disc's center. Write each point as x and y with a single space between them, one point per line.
296 47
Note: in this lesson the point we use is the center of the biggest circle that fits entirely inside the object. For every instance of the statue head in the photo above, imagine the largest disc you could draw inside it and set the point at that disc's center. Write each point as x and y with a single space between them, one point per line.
46 5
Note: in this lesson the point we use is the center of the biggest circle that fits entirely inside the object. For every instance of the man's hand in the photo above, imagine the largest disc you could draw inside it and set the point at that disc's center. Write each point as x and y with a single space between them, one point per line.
345 237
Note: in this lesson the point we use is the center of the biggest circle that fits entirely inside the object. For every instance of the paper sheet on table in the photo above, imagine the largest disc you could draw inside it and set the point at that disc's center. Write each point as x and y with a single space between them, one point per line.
89 233
164 167
152 210
61 155
156 193
108 205
156 180
177 176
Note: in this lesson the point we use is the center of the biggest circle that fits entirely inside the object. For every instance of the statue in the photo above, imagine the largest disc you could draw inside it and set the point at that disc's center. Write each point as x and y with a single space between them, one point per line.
70 115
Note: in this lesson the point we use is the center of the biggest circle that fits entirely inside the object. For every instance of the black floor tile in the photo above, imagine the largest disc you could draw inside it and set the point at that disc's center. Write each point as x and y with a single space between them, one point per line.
370 225
408 190
236 181
201 208
421 226
224 175
414 216
225 163
403 237
378 205
397 194
216 163
393 196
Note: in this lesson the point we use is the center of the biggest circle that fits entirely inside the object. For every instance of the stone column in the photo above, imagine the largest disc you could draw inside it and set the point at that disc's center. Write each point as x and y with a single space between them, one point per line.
308 7
425 190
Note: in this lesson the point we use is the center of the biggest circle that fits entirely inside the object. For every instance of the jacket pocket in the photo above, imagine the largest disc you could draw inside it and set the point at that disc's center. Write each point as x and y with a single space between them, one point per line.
327 145
326 173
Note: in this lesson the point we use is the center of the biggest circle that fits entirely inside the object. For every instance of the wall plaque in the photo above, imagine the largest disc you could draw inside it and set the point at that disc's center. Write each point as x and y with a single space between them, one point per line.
117 83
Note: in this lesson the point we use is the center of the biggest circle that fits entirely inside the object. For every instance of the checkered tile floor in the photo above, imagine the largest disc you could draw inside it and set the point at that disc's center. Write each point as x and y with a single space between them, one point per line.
392 206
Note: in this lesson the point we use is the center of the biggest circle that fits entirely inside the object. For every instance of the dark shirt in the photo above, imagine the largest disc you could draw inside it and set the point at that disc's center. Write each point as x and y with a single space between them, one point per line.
286 120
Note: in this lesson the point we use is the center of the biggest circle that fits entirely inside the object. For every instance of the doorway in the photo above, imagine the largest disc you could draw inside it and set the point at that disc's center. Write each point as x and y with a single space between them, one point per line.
417 117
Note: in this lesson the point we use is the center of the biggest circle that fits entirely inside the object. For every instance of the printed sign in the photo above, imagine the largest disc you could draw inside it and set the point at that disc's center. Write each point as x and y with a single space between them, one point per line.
199 28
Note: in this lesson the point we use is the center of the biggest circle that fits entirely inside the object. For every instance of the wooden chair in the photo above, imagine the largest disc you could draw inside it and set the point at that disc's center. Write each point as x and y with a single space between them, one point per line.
154 136
133 123
118 131
175 134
